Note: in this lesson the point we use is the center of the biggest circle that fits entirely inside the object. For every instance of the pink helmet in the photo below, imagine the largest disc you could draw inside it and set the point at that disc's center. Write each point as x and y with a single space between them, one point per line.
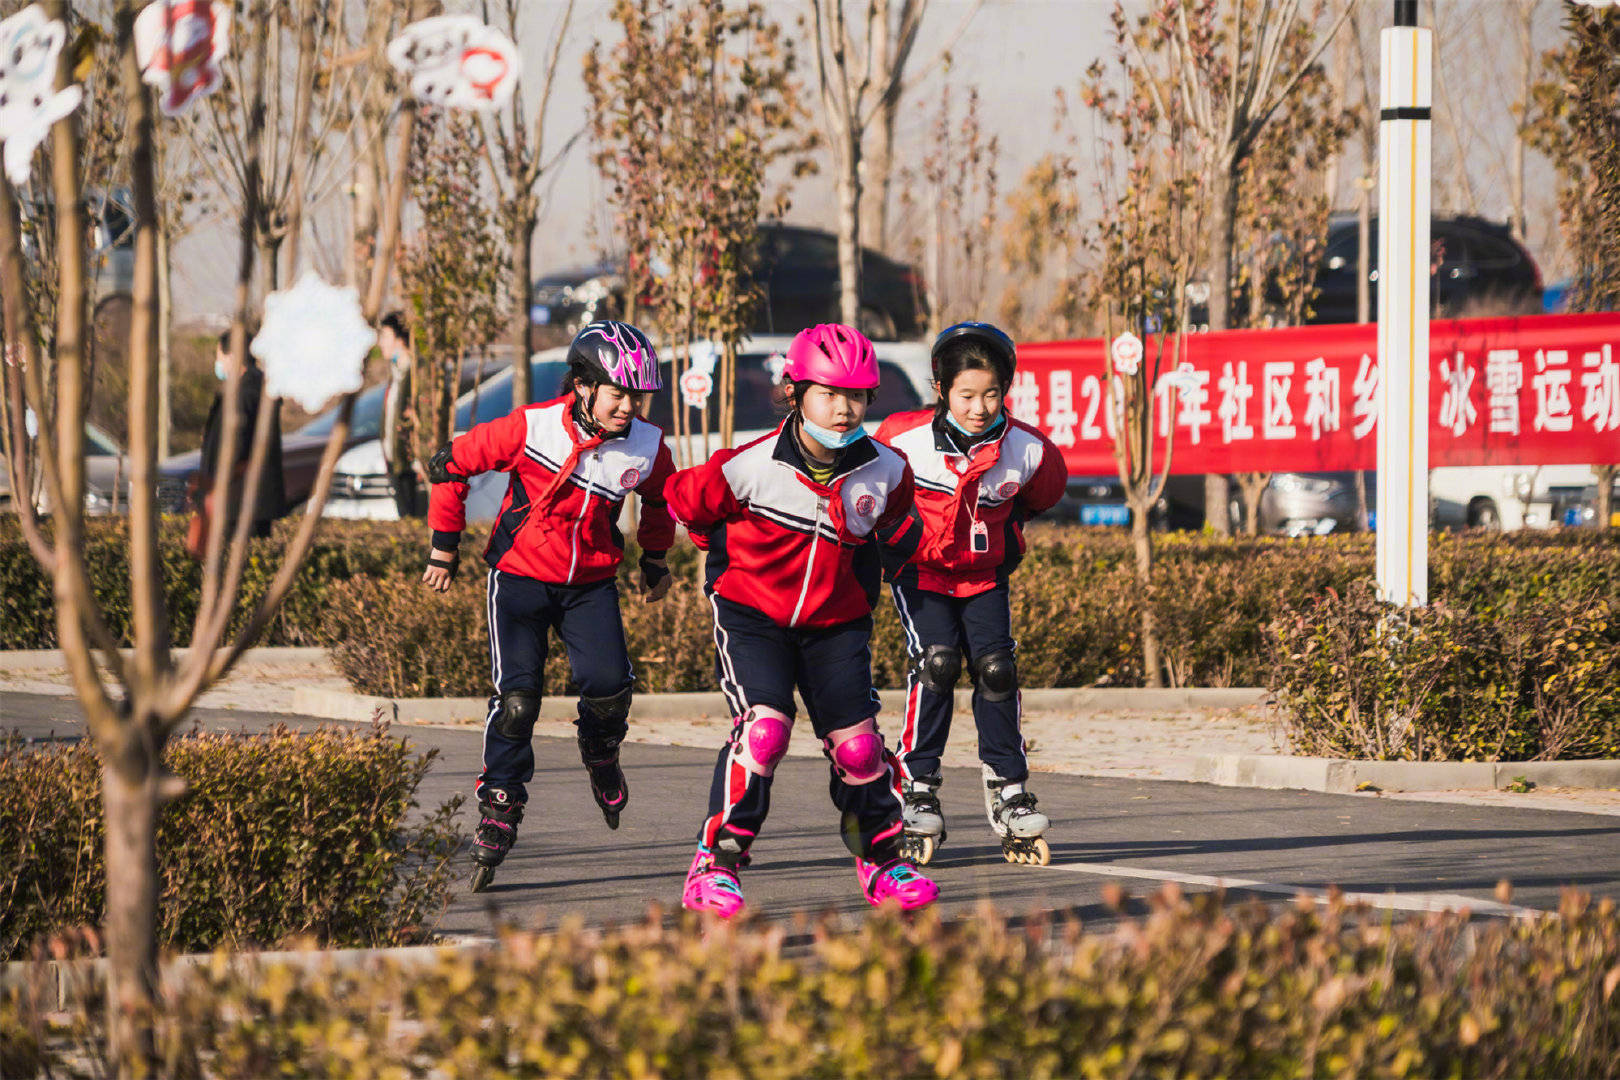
833 355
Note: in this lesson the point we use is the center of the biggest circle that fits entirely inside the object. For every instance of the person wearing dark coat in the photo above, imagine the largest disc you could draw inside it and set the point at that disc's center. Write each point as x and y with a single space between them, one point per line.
272 497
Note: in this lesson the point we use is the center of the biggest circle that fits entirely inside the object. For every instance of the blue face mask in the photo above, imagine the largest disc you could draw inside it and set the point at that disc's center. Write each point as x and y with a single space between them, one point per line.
832 440
1001 418
220 370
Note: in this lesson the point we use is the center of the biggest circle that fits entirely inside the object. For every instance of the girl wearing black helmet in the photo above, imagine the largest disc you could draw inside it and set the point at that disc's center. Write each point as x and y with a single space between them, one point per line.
979 475
553 555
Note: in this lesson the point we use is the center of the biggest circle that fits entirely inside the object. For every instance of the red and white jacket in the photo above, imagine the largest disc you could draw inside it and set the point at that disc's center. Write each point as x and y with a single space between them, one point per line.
559 520
801 552
1014 475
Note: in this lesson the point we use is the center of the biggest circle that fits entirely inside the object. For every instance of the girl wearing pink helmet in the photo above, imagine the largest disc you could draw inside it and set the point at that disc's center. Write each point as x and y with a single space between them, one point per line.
792 524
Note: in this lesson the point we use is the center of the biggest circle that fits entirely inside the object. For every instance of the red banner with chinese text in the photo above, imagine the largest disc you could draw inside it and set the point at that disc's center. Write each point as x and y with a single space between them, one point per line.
1534 390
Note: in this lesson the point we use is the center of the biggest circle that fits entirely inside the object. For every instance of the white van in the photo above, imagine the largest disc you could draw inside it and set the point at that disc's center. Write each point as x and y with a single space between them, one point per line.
361 487
1507 497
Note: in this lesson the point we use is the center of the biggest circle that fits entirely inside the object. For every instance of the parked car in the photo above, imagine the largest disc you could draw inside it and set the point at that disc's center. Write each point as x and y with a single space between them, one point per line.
301 450
798 268
1585 512
1100 501
106 471
1481 267
362 488
1493 498
1507 497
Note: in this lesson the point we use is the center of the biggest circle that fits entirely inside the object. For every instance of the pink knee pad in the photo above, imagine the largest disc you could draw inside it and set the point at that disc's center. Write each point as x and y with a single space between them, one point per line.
857 752
762 739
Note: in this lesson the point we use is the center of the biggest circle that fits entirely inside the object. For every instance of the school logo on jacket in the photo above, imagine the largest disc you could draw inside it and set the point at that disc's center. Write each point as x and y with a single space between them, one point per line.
630 479
1008 489
865 505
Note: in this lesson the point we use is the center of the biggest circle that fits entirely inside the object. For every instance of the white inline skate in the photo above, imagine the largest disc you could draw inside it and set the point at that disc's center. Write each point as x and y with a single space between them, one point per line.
925 821
1013 816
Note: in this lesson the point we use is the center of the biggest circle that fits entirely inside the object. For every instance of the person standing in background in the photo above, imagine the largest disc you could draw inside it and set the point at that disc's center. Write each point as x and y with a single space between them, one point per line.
399 417
271 502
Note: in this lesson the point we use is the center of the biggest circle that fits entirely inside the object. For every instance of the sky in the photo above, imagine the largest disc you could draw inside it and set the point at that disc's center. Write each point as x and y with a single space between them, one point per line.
1016 53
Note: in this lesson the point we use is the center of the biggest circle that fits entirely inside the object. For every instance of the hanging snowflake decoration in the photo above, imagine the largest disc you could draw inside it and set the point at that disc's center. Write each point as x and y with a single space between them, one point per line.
29 46
313 343
457 61
178 45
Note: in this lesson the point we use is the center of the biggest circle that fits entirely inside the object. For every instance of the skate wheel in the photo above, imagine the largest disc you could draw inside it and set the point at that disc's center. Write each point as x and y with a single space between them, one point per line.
612 818
926 846
481 878
1041 852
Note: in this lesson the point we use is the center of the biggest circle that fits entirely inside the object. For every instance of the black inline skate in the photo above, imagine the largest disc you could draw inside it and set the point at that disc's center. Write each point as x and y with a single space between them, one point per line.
600 754
498 818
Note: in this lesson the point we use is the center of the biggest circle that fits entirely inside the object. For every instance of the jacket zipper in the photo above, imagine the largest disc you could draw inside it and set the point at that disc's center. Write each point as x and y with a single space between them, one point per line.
584 508
810 563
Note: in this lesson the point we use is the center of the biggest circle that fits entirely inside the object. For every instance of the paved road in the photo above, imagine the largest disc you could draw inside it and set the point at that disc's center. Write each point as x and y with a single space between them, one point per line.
567 862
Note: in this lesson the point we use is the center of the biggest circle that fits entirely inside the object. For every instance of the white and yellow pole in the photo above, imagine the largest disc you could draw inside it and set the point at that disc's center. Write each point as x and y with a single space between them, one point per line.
1403 310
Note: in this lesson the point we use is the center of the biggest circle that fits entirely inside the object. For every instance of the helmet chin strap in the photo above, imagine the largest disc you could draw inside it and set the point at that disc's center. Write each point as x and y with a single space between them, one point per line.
585 417
585 414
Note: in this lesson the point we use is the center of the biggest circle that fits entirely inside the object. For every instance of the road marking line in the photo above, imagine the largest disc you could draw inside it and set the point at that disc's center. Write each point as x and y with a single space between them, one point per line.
1423 901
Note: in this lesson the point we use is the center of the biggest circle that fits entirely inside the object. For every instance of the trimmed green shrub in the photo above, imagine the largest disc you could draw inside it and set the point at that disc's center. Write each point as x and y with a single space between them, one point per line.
1522 677
1076 603
1192 989
278 835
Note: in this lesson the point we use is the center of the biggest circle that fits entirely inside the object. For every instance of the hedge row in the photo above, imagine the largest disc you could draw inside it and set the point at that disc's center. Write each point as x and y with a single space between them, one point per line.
1192 989
1076 603
278 836
1517 679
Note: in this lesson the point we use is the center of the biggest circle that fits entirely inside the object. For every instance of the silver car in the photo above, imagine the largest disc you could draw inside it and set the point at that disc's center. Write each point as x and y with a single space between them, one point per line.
106 475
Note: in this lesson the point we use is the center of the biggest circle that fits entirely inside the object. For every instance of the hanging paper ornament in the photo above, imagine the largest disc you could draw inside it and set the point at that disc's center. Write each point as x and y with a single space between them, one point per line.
457 61
178 46
313 342
29 46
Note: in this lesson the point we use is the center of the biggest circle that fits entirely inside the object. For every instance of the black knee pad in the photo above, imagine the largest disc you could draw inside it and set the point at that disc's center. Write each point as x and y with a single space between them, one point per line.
997 673
611 710
940 668
519 709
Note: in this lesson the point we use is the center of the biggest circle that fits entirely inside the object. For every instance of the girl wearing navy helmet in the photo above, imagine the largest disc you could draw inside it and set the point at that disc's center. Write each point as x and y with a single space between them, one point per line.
979 475
553 555
790 522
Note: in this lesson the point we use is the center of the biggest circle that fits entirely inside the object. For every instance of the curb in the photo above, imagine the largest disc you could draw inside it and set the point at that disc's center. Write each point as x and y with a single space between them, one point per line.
66 981
1342 777
342 705
14 660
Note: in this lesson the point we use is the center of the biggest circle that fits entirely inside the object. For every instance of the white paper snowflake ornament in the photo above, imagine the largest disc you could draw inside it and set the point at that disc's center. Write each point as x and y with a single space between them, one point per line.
29 46
313 342
457 61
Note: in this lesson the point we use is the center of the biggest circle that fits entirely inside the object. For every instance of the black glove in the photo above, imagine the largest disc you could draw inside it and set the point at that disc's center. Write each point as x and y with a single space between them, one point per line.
652 572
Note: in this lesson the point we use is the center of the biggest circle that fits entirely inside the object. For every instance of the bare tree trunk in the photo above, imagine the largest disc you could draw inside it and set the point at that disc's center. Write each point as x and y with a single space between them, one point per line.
165 353
1363 312
1605 494
130 812
1142 542
1525 25
522 294
849 231
1253 486
270 263
879 162
1223 226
